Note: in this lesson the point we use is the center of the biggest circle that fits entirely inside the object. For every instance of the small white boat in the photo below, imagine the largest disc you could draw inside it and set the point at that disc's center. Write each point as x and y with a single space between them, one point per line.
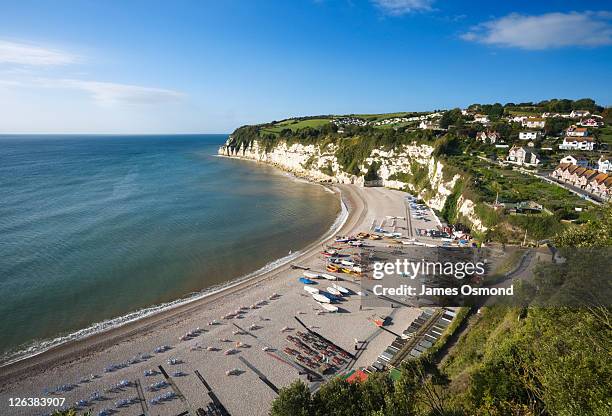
333 291
357 269
342 290
347 263
320 298
311 275
329 276
311 289
329 308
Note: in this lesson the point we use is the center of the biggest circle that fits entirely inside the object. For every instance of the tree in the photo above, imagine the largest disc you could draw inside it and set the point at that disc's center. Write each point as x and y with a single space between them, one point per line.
450 117
294 400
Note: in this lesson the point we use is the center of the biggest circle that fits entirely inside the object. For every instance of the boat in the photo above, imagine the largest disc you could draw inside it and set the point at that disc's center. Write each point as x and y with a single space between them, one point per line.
347 263
329 308
330 268
311 289
311 275
345 270
333 291
341 289
331 297
329 276
357 243
306 281
320 298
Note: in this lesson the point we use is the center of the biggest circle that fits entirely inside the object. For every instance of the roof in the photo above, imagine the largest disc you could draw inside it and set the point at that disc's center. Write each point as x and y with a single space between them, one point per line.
356 376
564 166
600 178
535 119
577 139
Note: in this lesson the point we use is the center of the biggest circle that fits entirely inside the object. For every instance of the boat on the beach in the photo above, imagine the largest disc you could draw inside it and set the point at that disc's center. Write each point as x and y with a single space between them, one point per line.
333 291
341 289
311 275
320 298
306 281
311 289
329 308
329 276
331 297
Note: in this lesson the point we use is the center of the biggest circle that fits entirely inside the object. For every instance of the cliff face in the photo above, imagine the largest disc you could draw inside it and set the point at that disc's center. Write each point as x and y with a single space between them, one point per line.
409 167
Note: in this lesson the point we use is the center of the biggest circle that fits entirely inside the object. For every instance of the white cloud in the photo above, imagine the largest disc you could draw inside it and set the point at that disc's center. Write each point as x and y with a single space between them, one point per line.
108 93
104 93
32 55
551 30
401 7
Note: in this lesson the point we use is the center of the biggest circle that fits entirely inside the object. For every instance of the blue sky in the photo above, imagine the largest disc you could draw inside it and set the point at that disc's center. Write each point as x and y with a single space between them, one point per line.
211 66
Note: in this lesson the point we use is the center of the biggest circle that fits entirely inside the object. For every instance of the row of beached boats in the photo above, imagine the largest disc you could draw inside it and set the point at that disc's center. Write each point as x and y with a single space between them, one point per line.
326 296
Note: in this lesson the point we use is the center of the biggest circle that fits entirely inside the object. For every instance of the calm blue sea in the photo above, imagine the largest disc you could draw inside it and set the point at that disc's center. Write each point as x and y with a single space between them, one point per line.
96 227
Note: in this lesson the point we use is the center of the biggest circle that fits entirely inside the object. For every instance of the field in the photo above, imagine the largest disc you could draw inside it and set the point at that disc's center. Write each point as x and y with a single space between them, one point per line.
295 125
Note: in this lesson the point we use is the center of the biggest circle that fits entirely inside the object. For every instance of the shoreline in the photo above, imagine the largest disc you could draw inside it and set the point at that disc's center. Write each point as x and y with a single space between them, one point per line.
72 350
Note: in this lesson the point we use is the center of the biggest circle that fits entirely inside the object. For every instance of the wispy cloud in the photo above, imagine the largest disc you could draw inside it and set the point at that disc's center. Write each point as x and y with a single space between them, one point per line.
32 55
402 7
551 30
109 93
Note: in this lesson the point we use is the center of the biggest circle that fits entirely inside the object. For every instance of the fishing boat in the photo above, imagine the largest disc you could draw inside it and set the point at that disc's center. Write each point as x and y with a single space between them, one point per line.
333 291
331 297
330 268
345 270
329 308
306 281
311 289
329 276
312 275
320 298
341 289
347 263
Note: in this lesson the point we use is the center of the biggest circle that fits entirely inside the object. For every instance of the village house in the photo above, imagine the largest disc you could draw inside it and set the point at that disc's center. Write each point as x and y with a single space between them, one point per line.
529 135
534 122
481 118
571 160
604 164
579 113
517 119
577 143
488 136
574 131
522 156
429 125
592 181
590 122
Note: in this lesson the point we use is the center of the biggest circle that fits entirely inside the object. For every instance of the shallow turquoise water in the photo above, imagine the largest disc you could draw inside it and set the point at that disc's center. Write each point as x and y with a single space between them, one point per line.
94 227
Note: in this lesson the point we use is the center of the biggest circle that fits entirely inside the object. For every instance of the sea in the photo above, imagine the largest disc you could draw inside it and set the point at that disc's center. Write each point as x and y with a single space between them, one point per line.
98 230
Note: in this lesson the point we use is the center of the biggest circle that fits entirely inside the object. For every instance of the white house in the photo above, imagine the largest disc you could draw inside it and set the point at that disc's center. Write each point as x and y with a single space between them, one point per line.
488 136
529 135
580 161
481 118
522 156
577 143
517 119
579 113
534 122
604 164
590 122
574 131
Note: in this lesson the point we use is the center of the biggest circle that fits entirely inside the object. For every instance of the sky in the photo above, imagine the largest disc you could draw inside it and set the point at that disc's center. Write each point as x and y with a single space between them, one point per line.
141 67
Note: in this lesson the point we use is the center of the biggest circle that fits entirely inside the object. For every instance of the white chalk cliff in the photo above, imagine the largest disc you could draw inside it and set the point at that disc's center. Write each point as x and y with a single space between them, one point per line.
396 168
